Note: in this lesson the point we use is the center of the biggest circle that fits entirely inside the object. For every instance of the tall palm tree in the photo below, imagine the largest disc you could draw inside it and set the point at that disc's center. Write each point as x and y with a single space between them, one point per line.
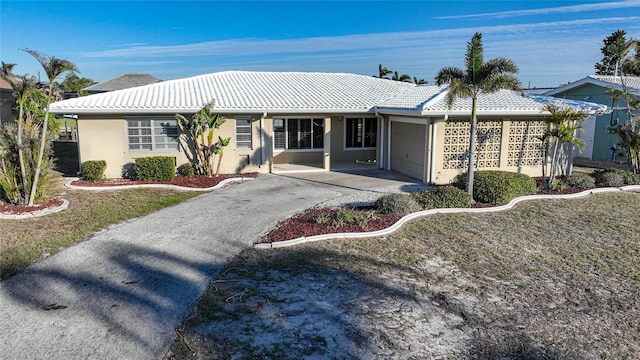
53 67
477 78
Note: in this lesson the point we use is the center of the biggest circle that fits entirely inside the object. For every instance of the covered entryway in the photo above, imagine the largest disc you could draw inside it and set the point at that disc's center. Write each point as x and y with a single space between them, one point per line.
408 148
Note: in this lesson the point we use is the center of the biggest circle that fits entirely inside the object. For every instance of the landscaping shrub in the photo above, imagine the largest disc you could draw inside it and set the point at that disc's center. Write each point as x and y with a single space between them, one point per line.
580 180
155 168
396 204
498 187
443 197
186 170
93 170
609 177
628 177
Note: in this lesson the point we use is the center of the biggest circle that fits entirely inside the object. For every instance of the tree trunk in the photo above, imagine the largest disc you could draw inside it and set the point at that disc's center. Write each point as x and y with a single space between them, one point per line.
23 170
43 142
472 144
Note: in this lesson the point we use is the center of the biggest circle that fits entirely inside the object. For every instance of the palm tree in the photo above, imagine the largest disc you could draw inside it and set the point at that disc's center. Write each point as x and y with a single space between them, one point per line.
419 81
383 72
560 132
7 70
478 78
53 67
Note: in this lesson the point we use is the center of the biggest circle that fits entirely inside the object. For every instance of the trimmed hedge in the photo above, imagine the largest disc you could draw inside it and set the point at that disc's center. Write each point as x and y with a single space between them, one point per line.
396 204
186 170
497 187
443 197
155 168
93 170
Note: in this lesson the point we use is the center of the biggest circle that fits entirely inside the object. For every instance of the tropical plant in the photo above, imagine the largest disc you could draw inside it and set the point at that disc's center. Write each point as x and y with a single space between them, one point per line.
73 83
53 67
200 129
16 187
629 134
6 71
383 72
419 81
477 78
23 88
559 139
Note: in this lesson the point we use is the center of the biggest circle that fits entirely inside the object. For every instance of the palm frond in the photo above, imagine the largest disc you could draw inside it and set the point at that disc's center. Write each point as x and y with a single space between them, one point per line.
448 74
474 58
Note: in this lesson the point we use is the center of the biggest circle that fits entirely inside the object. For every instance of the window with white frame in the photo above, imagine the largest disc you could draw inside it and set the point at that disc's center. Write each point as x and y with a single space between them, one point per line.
243 133
152 134
298 134
361 132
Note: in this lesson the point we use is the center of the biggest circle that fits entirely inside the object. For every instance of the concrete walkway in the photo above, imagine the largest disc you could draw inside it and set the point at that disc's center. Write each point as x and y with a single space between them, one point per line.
121 294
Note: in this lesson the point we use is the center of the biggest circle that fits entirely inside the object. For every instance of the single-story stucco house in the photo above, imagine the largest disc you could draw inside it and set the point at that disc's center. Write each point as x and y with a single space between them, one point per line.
323 120
599 139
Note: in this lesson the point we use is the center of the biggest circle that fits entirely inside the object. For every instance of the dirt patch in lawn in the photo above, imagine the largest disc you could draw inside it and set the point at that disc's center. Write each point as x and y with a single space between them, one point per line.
546 280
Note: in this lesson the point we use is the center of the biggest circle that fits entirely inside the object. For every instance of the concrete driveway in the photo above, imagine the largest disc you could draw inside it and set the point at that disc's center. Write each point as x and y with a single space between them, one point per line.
121 294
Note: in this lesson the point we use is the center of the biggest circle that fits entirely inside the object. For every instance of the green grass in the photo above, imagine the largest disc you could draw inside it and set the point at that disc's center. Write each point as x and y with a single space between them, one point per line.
26 241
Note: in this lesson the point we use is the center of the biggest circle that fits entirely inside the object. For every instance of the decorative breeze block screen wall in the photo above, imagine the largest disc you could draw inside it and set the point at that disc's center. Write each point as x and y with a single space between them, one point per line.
525 146
456 144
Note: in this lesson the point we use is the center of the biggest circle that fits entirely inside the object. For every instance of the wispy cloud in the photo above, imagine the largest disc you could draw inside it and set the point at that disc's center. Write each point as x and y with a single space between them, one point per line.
350 43
552 10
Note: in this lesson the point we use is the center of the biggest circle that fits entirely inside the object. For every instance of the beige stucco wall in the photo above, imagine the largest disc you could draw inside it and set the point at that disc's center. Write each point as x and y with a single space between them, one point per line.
501 153
105 138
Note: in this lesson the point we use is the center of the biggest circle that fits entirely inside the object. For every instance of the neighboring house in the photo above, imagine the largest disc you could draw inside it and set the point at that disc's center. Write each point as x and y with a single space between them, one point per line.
7 103
326 120
121 82
601 142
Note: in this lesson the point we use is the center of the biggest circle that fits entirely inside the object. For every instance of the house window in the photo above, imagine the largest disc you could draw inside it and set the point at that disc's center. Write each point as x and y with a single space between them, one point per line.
243 133
361 133
298 134
152 134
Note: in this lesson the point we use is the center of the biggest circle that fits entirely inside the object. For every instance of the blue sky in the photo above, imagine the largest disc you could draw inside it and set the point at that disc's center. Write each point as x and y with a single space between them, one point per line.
553 42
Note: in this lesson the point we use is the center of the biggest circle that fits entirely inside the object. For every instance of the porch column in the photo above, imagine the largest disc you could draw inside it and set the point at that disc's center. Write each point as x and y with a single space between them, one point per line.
327 144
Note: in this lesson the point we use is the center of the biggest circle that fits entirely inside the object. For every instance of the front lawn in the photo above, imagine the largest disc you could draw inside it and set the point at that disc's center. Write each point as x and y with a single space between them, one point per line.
549 279
25 241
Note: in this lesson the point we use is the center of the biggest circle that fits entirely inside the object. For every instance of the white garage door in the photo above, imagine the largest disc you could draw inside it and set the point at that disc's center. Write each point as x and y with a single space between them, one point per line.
408 144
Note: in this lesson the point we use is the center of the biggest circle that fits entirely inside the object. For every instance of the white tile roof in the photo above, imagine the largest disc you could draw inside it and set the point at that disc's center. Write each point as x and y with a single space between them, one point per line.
631 82
292 92
243 91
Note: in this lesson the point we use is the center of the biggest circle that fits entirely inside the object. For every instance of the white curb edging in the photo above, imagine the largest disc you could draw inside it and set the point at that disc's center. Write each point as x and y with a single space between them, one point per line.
412 216
156 186
36 213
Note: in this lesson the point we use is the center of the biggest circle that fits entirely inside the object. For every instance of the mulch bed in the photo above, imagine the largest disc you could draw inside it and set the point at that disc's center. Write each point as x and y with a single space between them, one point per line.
198 181
306 224
9 209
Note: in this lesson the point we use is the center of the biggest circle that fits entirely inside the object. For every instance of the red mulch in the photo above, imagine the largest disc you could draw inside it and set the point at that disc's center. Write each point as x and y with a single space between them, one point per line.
306 224
8 209
198 181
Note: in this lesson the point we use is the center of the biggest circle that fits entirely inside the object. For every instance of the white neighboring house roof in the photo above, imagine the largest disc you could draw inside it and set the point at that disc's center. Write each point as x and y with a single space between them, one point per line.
243 92
293 93
631 82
